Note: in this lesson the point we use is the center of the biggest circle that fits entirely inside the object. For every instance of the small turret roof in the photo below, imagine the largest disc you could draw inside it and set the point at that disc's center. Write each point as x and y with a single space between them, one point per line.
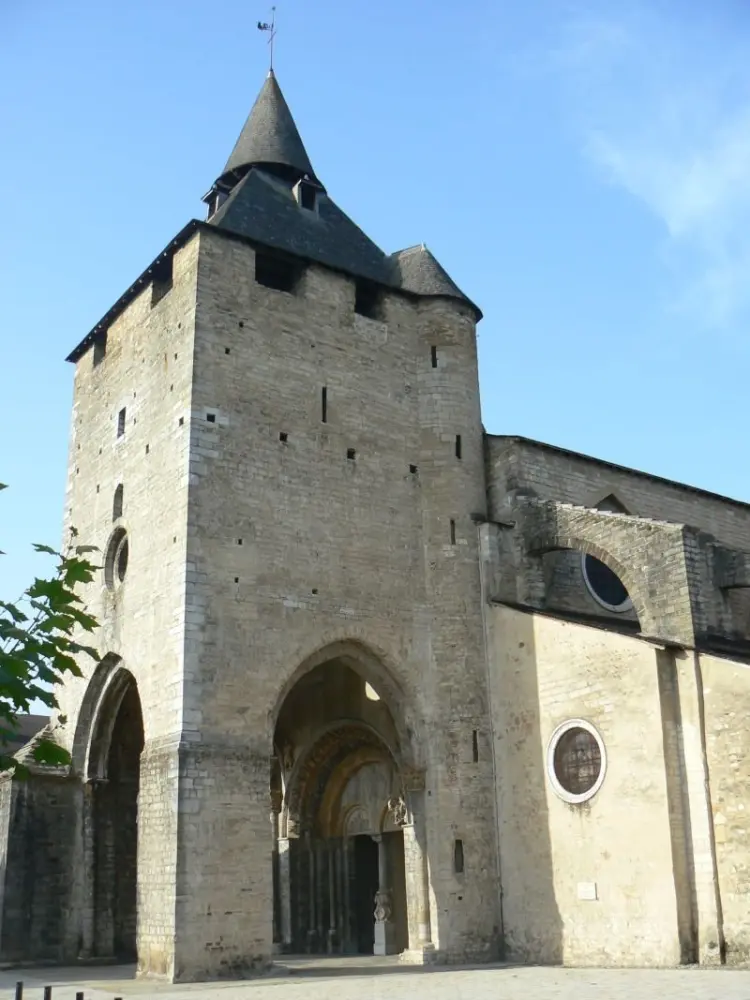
417 270
270 137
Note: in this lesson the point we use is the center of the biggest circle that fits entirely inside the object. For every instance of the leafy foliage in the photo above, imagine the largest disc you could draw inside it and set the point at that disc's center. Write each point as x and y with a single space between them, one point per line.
36 645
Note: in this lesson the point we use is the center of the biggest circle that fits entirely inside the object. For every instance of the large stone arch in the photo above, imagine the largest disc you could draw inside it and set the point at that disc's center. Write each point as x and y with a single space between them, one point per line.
113 689
648 556
578 543
376 668
91 703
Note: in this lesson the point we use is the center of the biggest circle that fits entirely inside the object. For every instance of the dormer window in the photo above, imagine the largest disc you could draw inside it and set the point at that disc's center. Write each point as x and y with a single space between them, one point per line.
306 194
215 199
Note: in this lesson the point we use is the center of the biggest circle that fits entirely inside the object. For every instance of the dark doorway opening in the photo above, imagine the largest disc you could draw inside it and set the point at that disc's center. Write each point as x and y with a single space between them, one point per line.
364 887
116 833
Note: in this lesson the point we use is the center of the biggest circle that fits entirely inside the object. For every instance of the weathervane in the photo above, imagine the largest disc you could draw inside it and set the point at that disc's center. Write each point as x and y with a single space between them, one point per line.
265 26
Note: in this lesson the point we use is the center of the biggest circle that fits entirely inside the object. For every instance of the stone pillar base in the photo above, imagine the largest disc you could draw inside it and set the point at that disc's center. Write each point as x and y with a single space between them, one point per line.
424 955
385 938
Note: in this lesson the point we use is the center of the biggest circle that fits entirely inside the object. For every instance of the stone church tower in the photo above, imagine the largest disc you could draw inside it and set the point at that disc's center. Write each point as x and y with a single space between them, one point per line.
371 679
277 442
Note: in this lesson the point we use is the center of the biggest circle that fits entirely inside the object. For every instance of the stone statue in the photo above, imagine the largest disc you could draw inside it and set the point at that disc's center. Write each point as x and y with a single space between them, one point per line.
397 809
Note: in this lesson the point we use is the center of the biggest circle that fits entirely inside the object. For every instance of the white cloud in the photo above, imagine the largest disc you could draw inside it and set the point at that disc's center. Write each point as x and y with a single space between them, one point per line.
664 109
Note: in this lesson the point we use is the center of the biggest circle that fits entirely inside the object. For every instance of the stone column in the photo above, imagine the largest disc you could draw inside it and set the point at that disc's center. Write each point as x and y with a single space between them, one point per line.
332 929
275 810
88 907
285 892
417 872
385 929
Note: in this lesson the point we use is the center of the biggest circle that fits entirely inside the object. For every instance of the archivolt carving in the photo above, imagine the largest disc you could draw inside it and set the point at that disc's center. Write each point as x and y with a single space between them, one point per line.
311 790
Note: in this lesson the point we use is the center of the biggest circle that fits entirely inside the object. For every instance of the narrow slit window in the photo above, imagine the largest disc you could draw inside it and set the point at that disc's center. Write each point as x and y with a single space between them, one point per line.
351 454
475 746
458 857
453 532
458 445
324 405
121 422
117 502
433 356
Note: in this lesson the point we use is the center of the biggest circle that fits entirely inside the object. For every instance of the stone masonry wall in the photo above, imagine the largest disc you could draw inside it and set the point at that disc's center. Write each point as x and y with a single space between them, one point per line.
553 474
294 545
616 847
726 694
147 372
39 870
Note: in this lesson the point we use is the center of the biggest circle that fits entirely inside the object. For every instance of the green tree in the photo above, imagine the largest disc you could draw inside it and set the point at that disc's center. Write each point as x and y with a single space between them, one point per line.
36 645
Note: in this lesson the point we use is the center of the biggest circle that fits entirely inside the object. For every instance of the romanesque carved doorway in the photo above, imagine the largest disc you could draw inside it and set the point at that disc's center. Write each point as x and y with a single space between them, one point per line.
339 860
114 773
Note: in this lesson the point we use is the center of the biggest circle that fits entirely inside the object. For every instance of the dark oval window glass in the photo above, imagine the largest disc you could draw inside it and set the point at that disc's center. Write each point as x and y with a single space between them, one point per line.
122 560
604 584
116 559
577 761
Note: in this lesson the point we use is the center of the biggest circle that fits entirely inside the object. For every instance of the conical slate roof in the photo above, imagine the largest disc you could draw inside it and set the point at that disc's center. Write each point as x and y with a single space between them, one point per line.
417 270
269 136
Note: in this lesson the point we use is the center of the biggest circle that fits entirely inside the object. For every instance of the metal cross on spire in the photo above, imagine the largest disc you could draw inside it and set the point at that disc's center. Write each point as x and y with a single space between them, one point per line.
265 26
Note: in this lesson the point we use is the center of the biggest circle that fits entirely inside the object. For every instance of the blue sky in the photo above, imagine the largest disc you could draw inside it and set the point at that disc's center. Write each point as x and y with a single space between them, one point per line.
581 169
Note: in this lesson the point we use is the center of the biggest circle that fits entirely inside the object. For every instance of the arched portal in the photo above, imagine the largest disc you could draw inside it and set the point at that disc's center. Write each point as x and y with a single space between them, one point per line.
340 874
113 773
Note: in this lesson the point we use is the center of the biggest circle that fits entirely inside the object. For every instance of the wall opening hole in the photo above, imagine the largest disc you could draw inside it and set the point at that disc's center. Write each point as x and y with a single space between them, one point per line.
239 541
315 590
351 454
458 445
211 418
475 746
458 856
324 405
121 422
283 436
433 356
413 469
226 350
100 348
181 421
277 272
148 448
453 532
162 280
368 300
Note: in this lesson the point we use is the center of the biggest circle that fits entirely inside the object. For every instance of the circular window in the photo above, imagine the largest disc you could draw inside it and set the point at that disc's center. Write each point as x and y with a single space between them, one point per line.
576 761
116 560
604 585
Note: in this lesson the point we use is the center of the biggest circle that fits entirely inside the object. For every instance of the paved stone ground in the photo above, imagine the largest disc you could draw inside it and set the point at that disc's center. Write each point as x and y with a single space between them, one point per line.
384 979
